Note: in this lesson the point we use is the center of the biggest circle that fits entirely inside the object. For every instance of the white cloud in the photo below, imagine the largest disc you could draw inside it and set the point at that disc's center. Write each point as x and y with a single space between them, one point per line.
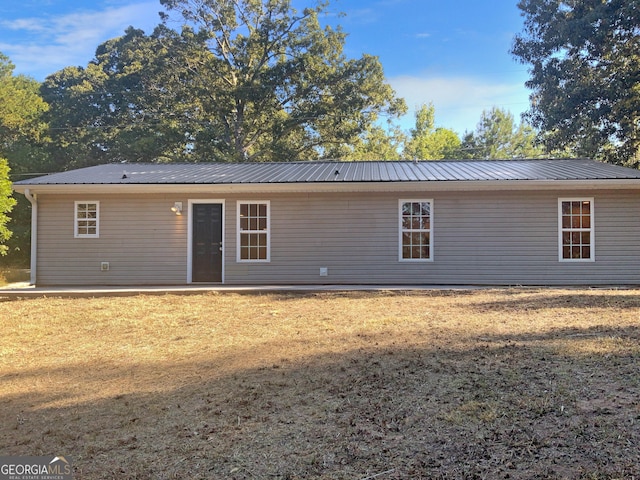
458 100
39 46
362 16
27 24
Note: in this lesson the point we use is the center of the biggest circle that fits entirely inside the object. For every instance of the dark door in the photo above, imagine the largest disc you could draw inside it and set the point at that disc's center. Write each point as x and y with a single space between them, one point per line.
207 242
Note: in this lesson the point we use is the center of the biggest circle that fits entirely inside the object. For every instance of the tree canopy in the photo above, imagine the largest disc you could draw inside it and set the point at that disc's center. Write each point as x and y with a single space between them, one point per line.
497 136
428 142
124 105
21 129
378 143
6 204
585 63
245 80
279 84
21 107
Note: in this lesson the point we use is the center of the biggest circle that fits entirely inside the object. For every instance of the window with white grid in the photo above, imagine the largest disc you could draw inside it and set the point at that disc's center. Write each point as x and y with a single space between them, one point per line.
87 219
253 231
576 242
416 228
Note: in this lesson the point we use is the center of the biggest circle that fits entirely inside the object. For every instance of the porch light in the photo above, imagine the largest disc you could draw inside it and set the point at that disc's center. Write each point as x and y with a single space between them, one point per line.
177 208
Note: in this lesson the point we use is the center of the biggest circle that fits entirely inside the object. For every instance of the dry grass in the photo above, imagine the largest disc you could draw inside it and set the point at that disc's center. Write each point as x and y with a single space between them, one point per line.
469 384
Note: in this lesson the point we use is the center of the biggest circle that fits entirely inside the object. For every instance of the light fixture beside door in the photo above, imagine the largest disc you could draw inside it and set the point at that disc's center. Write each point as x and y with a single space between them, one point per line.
177 208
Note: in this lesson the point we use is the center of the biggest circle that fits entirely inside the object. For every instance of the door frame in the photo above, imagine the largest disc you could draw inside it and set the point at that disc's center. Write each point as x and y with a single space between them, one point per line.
191 202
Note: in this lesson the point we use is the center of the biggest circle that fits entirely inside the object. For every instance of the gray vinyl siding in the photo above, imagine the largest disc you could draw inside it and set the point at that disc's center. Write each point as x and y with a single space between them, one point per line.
490 238
143 241
506 238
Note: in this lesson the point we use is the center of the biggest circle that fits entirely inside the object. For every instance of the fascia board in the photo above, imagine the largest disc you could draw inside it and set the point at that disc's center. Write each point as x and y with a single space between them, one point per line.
427 186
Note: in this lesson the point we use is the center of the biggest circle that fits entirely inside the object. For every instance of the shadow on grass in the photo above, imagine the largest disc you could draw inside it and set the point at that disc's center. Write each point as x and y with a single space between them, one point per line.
591 334
504 410
548 300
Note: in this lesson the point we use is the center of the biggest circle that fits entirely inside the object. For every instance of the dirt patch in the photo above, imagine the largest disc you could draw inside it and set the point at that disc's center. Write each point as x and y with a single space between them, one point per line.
486 384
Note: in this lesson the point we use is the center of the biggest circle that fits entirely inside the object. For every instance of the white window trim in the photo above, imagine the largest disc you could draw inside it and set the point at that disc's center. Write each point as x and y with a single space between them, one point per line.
239 232
75 219
430 230
592 230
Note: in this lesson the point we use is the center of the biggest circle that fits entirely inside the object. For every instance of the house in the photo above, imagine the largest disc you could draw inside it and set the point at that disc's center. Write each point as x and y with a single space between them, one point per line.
511 222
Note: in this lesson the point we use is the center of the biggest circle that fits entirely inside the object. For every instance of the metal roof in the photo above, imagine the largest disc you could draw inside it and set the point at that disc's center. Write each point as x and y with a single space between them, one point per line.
337 172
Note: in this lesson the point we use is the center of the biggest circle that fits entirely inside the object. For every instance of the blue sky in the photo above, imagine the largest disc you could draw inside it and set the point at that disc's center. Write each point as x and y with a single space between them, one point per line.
453 53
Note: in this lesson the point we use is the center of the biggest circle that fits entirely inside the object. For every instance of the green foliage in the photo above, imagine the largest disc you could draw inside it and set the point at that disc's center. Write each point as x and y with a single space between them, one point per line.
585 58
121 107
279 84
22 138
6 204
428 142
247 80
498 137
21 107
378 144
22 126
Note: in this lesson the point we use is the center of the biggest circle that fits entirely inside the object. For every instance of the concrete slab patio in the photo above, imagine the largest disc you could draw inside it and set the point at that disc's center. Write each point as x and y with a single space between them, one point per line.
24 290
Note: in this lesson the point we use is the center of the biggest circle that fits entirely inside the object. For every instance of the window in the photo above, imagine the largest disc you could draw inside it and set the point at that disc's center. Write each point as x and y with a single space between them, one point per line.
416 217
253 231
87 220
576 229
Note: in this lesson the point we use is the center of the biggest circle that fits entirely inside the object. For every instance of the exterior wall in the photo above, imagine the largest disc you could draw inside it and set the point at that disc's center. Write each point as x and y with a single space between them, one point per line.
143 241
491 238
503 238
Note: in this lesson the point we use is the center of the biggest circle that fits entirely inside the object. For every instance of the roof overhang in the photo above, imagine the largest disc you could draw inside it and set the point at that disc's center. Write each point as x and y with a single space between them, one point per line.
308 187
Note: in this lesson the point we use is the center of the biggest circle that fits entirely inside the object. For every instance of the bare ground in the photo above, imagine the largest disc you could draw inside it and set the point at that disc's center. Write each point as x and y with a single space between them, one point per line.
513 383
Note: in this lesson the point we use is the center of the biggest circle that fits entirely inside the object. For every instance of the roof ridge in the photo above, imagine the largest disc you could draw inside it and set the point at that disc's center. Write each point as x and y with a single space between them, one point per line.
332 161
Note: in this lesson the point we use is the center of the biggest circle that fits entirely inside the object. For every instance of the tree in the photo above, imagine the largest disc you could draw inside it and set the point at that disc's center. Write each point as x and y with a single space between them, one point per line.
21 107
22 129
245 80
6 204
585 59
124 105
378 144
277 84
428 142
497 136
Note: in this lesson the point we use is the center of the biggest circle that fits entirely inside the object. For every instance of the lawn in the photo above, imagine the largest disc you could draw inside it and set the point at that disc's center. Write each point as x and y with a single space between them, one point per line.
504 383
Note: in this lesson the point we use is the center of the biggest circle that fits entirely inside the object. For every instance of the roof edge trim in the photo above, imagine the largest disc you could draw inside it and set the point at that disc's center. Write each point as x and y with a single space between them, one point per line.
406 186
